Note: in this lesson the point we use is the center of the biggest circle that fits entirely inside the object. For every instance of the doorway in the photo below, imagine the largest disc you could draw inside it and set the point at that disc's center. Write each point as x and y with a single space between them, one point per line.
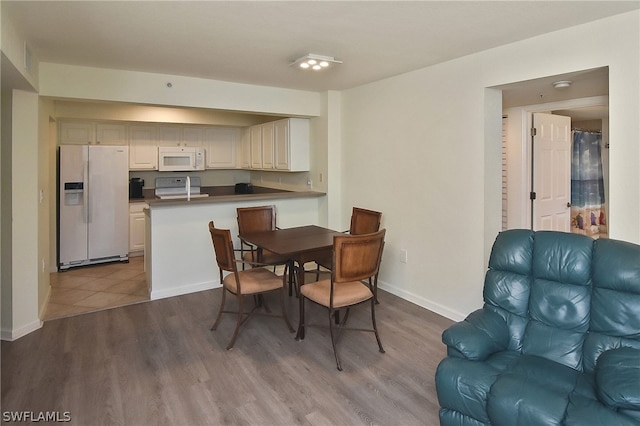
520 101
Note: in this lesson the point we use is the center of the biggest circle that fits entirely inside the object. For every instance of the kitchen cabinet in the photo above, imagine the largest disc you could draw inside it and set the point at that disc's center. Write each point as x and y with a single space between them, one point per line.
245 149
220 145
178 135
192 136
111 134
169 135
278 145
77 133
143 148
92 133
256 146
291 141
268 147
136 228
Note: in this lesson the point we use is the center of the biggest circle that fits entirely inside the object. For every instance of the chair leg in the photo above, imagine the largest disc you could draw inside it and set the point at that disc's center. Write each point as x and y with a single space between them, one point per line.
284 311
222 300
373 321
300 333
333 340
239 323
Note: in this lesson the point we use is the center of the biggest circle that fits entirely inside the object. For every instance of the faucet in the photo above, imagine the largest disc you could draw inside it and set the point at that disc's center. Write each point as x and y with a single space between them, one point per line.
188 187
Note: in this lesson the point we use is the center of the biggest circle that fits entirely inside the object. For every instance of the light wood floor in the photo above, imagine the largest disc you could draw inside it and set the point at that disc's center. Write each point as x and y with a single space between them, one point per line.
158 363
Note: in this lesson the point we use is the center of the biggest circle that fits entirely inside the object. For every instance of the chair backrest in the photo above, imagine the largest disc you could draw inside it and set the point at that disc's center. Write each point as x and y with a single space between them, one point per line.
364 221
223 247
357 257
256 219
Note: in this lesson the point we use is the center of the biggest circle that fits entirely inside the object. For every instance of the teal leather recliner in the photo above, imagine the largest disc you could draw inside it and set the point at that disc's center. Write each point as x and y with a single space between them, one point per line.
557 341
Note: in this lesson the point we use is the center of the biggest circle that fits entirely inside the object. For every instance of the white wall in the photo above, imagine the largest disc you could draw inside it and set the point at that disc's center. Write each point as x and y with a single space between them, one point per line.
85 83
46 188
13 44
422 148
25 211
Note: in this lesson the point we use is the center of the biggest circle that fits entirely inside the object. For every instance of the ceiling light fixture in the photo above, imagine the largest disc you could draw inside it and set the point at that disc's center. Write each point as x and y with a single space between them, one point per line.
315 62
562 84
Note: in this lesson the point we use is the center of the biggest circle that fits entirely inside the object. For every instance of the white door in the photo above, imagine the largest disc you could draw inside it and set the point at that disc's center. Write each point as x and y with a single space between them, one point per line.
552 172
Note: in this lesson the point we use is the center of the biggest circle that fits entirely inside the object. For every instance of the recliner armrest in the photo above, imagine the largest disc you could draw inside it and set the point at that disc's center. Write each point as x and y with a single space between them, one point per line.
618 378
481 334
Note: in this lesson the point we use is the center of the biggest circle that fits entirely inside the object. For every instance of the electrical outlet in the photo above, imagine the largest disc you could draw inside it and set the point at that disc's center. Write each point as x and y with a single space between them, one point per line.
321 177
43 265
403 255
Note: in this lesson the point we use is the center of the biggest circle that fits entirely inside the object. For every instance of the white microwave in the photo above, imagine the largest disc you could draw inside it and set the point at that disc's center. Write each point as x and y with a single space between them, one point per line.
180 159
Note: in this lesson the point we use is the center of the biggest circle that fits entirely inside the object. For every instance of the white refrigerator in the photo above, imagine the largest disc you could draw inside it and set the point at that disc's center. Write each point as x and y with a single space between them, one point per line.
93 210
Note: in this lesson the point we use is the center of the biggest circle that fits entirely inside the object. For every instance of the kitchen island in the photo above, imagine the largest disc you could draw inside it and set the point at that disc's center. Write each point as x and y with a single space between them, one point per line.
179 256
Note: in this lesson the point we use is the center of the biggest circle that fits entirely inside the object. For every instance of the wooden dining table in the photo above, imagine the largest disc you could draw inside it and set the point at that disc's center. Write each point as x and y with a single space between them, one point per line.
300 244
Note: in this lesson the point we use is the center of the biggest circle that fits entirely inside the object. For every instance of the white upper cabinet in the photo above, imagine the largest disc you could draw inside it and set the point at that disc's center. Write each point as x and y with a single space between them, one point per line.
292 144
256 147
192 136
111 134
169 135
267 146
143 148
278 145
77 133
245 149
178 135
220 146
281 145
92 133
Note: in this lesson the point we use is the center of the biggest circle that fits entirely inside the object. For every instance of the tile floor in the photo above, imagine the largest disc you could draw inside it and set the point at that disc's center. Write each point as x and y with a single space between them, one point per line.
93 288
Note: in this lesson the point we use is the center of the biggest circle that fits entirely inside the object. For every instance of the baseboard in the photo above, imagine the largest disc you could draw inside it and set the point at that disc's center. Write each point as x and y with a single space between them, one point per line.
45 305
14 334
186 289
422 302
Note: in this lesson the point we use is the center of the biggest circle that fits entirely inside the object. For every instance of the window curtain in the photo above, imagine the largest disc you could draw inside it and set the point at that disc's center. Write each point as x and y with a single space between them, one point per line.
588 215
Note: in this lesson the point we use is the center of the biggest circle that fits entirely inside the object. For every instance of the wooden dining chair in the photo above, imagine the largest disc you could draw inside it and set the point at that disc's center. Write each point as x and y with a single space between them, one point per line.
363 221
356 258
257 219
251 282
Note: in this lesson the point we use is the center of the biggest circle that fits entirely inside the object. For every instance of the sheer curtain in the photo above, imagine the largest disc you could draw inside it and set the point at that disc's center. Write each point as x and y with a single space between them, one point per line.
588 215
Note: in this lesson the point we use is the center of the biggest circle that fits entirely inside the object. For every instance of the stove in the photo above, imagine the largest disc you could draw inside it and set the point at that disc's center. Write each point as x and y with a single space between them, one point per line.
175 188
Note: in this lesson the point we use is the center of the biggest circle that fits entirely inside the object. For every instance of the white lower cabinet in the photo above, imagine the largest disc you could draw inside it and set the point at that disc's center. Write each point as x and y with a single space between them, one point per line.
136 228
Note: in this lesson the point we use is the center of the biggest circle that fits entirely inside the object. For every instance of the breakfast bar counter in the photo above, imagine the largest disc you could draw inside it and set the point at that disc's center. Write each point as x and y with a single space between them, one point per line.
179 256
223 194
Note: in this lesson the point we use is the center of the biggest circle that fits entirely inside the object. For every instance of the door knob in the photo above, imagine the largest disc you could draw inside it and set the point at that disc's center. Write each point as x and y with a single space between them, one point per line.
568 205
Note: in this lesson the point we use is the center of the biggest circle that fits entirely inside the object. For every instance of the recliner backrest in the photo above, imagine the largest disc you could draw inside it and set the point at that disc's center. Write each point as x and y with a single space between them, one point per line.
565 297
560 299
615 300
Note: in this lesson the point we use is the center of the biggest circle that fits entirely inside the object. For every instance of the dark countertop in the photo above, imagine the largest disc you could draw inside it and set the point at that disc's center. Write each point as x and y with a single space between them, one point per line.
219 194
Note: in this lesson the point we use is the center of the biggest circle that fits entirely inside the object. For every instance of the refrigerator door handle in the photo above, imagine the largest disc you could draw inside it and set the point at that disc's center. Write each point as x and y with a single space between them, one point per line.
85 196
